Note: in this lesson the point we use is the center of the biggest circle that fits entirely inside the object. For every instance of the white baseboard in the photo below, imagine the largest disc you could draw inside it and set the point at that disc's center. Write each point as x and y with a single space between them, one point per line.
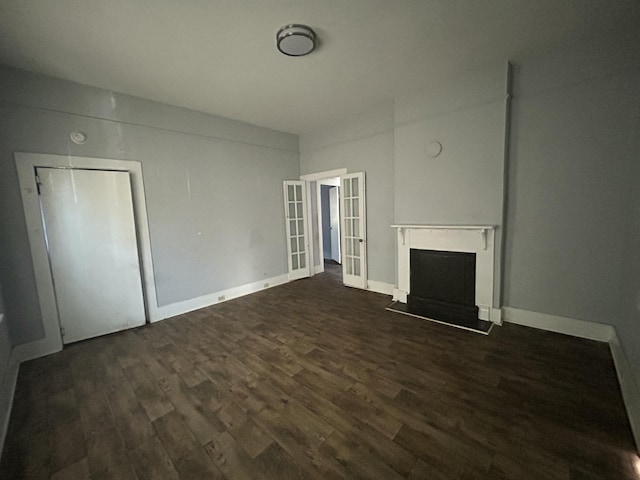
36 349
496 316
399 295
553 323
192 304
7 391
381 287
628 386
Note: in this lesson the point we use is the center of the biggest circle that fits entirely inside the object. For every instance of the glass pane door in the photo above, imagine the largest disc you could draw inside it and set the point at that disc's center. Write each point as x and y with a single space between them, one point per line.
354 259
295 208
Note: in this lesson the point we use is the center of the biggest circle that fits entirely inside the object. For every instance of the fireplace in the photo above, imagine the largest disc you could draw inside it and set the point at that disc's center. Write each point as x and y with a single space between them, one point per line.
443 285
449 273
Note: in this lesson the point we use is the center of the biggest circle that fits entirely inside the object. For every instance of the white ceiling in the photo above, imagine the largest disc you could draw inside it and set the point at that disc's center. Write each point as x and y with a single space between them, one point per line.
219 56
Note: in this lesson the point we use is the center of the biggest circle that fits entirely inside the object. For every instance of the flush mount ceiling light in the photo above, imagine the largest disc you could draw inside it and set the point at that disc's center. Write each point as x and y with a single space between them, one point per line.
296 40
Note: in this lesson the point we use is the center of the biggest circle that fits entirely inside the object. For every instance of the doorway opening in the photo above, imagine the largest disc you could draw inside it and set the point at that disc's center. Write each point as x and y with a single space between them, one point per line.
328 194
349 246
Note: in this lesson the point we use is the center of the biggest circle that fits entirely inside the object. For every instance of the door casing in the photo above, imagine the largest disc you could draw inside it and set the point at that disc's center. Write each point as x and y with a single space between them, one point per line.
25 165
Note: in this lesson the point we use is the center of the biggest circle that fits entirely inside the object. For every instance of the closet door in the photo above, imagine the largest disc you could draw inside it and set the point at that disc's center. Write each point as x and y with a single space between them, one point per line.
93 253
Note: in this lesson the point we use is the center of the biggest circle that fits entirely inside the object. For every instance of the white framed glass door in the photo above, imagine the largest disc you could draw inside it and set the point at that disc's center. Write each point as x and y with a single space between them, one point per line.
354 230
295 210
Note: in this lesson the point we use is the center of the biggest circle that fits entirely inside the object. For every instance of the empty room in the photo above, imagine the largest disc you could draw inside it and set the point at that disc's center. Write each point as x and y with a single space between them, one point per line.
273 239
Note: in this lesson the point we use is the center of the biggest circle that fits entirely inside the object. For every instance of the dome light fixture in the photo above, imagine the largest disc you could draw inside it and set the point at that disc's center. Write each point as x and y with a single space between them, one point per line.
296 40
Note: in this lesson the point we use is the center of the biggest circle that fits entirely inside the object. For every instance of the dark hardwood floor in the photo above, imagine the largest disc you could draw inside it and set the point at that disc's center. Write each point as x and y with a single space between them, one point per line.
315 380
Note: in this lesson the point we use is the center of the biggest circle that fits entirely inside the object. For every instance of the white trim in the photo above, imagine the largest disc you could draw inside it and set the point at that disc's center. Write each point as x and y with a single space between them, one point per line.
554 323
192 304
399 295
25 165
318 177
7 392
381 287
310 248
628 386
446 227
319 222
310 177
496 316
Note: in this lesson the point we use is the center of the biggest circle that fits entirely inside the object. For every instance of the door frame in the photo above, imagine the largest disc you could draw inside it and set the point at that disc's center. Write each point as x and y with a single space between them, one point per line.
331 182
26 164
317 177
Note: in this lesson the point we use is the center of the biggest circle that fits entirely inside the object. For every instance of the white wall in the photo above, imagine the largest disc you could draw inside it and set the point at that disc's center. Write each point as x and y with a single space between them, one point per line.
363 144
213 186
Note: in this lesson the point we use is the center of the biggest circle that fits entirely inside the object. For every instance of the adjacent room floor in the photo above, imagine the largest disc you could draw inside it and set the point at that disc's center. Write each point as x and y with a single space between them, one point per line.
315 380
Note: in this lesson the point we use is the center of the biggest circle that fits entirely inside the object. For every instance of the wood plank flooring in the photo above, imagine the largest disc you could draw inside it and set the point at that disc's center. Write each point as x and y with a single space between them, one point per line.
312 380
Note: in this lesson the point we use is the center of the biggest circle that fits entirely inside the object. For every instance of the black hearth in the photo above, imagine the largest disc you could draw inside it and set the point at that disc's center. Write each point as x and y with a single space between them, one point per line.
443 285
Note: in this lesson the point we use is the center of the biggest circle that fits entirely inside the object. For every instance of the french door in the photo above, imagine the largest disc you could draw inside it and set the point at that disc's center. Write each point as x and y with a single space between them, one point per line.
295 210
354 230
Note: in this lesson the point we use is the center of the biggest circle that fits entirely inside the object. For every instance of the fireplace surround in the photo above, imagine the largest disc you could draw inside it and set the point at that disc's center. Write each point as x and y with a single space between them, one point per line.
478 240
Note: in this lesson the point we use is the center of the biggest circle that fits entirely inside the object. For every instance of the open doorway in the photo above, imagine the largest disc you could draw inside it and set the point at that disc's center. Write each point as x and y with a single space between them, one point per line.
350 231
329 224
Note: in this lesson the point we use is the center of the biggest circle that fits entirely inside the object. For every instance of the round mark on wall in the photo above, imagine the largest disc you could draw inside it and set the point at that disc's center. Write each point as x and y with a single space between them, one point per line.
434 149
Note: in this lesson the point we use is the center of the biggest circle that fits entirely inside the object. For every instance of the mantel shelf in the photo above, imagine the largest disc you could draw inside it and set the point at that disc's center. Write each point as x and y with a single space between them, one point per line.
448 227
483 229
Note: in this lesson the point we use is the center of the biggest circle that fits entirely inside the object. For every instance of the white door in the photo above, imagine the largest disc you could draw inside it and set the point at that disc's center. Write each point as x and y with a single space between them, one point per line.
91 241
295 210
334 215
354 230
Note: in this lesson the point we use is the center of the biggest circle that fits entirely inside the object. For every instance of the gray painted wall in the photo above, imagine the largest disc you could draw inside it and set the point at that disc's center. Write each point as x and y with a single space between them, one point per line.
213 186
363 144
464 184
572 225
5 344
6 377
573 197
628 326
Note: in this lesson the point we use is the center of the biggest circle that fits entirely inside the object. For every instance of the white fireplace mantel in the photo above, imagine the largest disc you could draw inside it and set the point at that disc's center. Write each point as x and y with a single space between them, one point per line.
483 229
478 239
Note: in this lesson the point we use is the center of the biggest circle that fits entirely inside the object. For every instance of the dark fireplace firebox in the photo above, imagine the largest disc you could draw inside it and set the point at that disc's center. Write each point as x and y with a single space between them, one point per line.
443 289
443 285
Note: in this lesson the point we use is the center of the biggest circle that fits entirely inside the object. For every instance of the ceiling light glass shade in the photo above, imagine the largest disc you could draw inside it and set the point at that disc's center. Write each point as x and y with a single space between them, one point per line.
296 40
